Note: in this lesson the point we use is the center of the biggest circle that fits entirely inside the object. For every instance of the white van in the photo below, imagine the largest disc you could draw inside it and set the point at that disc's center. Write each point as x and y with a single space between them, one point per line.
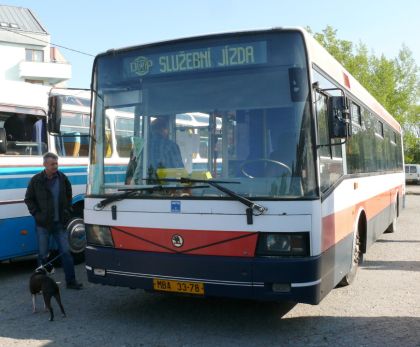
412 173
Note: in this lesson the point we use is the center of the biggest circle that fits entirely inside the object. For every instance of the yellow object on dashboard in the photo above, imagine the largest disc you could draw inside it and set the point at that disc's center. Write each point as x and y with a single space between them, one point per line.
179 173
201 175
171 173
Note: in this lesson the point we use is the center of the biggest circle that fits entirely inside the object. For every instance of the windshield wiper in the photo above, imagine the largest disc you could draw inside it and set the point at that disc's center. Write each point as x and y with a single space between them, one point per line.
133 191
252 206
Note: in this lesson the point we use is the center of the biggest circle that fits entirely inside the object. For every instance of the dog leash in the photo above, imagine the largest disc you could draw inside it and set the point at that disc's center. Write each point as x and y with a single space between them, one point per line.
42 266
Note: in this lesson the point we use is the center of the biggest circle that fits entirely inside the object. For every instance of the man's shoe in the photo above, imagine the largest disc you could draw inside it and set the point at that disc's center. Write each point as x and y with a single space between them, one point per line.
74 285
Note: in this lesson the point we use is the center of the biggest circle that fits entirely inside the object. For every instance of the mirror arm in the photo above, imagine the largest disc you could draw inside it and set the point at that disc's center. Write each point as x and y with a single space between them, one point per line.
332 144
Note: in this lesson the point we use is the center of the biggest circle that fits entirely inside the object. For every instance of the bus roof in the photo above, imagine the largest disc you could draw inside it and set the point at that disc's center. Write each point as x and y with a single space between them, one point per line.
22 94
317 55
16 95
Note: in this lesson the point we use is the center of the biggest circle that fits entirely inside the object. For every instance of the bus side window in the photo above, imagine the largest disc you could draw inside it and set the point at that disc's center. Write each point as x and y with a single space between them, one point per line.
72 144
84 146
73 140
39 136
123 135
330 157
26 135
108 143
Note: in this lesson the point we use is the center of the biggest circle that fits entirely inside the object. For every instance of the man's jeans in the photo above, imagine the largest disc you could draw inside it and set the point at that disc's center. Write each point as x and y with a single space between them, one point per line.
60 237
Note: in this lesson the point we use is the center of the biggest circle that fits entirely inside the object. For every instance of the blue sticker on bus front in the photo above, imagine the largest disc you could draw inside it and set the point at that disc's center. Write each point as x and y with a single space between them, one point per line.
175 206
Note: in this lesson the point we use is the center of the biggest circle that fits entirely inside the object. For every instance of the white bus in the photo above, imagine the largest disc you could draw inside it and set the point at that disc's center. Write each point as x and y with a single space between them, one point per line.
302 171
24 138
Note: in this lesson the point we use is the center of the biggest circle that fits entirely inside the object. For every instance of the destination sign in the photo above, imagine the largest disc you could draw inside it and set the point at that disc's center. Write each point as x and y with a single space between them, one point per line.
216 57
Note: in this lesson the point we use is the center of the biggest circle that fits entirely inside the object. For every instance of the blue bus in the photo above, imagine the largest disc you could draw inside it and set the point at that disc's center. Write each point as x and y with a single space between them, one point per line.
24 138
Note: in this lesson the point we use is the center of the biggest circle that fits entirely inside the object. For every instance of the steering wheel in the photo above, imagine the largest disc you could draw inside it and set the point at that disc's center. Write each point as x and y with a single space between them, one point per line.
271 161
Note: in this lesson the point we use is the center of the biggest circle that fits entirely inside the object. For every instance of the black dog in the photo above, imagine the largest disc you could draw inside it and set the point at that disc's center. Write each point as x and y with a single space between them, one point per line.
40 282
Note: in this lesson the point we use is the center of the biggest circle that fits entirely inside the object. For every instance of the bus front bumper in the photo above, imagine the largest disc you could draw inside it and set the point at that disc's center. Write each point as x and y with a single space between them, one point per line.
262 278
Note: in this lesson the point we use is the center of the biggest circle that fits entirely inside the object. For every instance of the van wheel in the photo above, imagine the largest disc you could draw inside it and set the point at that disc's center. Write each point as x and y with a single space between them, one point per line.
77 239
357 258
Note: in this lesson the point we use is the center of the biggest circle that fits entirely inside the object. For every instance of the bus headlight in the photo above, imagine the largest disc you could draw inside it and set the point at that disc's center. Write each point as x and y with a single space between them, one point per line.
99 235
283 244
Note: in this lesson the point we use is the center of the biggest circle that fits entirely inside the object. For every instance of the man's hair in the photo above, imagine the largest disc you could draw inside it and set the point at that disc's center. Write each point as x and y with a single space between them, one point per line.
48 155
160 123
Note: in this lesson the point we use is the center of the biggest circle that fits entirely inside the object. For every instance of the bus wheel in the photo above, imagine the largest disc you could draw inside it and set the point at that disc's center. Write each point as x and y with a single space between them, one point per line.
393 226
77 239
357 257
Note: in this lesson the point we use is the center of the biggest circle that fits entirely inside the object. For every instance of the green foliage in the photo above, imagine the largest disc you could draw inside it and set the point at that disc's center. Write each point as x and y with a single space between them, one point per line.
395 83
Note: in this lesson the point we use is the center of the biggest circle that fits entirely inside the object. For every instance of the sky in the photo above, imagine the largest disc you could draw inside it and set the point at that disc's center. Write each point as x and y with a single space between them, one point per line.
94 26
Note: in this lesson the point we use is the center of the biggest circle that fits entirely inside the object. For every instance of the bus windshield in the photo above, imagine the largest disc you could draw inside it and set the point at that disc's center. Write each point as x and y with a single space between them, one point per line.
231 107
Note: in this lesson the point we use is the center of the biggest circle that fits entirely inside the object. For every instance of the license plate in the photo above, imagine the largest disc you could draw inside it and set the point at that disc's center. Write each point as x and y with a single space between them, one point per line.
196 288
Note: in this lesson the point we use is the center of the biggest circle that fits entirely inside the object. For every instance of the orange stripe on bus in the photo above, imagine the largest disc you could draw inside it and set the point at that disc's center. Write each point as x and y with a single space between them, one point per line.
337 226
198 242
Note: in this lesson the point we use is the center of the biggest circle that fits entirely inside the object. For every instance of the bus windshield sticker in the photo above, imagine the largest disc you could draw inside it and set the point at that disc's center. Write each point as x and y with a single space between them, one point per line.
175 206
226 56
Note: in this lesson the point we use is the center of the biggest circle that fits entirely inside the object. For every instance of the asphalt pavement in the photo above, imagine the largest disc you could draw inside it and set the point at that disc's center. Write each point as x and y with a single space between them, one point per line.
381 308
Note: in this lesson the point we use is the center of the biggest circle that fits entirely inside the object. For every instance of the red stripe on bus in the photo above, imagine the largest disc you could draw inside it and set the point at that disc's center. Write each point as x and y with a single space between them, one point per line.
337 226
198 242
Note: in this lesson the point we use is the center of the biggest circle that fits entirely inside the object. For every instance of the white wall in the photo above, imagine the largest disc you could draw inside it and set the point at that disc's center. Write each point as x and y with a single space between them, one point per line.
11 56
13 64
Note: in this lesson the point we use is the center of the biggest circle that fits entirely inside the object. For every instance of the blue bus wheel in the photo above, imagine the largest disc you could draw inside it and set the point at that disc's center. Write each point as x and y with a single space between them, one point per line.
77 238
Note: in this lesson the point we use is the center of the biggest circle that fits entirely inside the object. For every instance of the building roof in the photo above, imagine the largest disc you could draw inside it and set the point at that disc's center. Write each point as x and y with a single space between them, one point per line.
19 18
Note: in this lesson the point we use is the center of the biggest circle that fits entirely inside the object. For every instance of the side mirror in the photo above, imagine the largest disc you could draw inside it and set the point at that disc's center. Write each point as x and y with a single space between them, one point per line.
3 141
338 117
55 106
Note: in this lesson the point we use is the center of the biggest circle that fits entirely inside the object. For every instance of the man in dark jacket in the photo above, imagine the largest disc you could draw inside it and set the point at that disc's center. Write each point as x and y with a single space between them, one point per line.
48 198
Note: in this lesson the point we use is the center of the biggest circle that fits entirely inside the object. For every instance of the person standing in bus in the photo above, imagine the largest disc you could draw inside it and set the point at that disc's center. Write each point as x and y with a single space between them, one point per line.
48 198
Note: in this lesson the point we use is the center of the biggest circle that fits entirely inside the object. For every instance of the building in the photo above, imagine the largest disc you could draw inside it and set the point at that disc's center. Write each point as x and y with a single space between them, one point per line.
26 52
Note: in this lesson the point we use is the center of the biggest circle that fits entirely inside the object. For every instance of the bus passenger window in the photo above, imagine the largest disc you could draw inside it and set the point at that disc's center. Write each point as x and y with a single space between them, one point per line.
72 144
26 135
123 134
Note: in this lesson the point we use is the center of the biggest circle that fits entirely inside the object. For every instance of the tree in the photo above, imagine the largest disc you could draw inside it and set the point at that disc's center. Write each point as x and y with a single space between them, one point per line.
394 83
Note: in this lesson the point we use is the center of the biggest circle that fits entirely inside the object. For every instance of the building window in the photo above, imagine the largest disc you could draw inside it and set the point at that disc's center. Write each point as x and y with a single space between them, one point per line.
9 25
34 55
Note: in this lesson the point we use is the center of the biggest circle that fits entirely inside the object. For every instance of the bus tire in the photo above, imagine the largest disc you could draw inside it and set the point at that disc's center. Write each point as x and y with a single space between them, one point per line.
393 227
77 239
356 260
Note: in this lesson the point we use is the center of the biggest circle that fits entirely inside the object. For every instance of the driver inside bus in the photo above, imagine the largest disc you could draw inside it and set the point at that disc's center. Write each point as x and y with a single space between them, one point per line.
282 158
163 152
